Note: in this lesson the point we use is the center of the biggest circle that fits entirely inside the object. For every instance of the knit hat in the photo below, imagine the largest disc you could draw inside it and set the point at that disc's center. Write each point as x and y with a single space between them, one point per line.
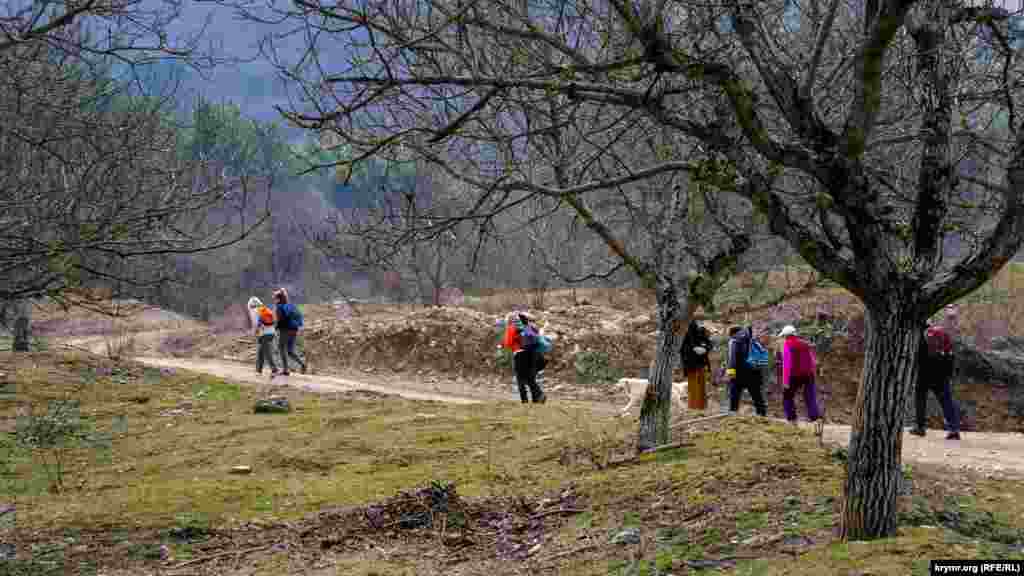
787 330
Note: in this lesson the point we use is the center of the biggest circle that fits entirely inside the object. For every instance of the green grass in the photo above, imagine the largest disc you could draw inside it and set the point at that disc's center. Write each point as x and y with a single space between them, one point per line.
745 481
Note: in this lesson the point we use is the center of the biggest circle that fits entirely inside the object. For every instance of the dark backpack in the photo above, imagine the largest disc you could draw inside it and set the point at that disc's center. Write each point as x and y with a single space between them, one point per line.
292 316
528 338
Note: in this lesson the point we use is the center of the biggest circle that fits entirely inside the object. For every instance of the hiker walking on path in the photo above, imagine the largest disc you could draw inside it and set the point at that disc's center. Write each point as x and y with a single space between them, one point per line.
289 322
261 319
796 366
522 339
935 374
744 371
694 353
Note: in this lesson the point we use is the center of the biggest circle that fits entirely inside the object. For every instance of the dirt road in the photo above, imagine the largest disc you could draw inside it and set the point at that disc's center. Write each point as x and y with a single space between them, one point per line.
313 383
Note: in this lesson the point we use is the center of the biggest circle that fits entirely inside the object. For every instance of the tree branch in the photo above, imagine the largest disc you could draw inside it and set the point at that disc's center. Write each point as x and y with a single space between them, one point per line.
1000 246
794 106
807 90
869 64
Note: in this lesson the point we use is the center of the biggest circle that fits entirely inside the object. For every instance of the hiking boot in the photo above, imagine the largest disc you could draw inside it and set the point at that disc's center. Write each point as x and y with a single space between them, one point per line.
302 369
953 436
918 432
543 398
285 373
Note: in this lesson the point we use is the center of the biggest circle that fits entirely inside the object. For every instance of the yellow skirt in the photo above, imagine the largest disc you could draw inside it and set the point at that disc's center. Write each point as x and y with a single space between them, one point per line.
696 389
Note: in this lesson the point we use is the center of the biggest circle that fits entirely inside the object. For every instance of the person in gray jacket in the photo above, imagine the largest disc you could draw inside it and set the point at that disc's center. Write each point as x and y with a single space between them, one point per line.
262 320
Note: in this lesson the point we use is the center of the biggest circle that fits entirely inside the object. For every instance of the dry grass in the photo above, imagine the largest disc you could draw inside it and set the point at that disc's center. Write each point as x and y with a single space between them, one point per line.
114 318
742 488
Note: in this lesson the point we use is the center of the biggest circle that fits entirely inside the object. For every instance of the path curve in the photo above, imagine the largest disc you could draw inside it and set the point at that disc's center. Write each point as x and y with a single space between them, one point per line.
312 383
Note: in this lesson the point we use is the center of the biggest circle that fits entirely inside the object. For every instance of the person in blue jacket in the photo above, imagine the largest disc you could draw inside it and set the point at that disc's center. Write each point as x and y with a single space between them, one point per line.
289 322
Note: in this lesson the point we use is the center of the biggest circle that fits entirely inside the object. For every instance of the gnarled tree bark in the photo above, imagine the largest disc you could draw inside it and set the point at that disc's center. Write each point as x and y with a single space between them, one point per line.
876 440
656 412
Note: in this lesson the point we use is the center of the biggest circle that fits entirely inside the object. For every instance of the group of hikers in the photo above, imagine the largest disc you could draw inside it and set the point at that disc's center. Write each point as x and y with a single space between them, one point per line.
796 369
283 321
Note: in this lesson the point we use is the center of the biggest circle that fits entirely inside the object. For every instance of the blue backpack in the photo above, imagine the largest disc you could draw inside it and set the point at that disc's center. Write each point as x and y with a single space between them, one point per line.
292 316
757 356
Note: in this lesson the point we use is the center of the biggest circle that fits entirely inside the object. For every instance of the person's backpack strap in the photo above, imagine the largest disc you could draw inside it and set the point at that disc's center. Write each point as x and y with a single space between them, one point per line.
528 337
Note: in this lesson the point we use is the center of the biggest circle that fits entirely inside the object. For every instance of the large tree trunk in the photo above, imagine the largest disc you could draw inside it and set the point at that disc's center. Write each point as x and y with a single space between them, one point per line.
656 413
876 441
22 316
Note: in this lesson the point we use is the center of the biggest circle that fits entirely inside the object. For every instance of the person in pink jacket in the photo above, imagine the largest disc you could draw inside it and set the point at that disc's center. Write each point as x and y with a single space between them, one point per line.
796 371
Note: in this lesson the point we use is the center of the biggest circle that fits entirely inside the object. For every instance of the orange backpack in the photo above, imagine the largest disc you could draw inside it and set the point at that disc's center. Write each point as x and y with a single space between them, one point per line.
266 316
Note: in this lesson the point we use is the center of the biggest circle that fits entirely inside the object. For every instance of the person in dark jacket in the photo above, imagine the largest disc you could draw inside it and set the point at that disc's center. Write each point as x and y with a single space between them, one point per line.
694 354
935 374
289 321
741 375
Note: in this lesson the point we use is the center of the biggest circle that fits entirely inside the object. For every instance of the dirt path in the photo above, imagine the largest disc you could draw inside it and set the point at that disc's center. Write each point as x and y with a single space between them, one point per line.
314 383
986 452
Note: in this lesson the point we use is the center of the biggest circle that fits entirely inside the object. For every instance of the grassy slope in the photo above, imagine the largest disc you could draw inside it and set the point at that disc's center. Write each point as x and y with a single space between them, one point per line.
753 491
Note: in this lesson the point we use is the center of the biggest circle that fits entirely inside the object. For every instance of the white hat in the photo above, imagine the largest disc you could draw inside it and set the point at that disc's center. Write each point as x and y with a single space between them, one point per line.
787 330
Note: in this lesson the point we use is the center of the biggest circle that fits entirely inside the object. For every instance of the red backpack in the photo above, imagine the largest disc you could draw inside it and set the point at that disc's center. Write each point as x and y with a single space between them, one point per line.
939 343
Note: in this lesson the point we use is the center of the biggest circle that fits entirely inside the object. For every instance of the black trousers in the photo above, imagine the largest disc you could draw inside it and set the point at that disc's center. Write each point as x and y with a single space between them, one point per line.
943 390
286 345
752 382
525 364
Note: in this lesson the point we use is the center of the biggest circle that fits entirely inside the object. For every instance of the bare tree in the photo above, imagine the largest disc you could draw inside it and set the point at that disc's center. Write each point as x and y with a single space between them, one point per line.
92 190
872 135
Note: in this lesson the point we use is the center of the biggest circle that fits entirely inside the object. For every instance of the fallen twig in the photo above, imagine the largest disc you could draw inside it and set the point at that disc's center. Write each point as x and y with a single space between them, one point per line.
218 555
665 447
695 420
557 511
583 548
634 459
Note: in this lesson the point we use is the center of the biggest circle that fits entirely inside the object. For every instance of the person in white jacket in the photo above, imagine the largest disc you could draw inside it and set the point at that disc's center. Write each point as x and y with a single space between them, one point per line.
264 336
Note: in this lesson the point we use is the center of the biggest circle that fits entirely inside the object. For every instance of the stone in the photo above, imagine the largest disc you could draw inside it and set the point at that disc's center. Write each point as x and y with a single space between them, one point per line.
272 405
627 536
241 469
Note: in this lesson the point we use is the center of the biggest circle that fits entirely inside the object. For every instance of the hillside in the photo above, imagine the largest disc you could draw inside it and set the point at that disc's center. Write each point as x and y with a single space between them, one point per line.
494 489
